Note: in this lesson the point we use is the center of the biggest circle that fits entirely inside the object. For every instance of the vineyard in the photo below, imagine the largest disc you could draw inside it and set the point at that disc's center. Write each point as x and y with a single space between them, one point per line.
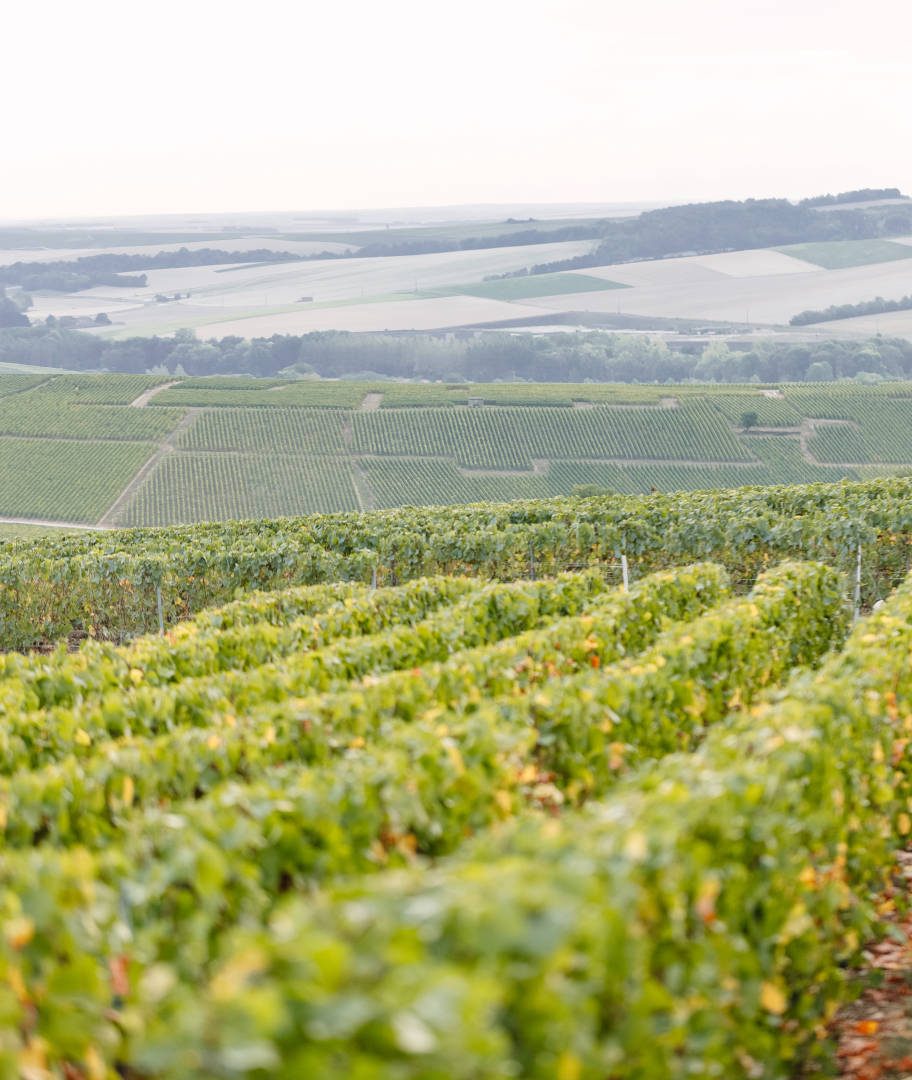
303 394
63 480
266 431
512 438
771 412
15 384
488 818
22 415
250 448
190 487
96 389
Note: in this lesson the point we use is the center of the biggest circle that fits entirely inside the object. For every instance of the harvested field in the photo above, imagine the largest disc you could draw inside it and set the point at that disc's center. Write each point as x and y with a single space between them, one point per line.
346 279
769 299
704 268
385 315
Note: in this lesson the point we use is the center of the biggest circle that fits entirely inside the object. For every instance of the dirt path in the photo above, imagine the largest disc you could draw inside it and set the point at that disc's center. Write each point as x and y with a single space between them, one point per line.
108 520
874 1033
540 466
371 402
143 400
365 494
50 524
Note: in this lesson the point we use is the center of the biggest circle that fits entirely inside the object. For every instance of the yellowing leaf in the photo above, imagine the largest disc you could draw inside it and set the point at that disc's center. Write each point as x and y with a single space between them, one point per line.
569 1066
19 931
82 737
128 790
95 1064
772 999
503 801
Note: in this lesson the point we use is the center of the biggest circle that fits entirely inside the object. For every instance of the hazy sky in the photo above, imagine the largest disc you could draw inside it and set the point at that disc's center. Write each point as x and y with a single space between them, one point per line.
216 105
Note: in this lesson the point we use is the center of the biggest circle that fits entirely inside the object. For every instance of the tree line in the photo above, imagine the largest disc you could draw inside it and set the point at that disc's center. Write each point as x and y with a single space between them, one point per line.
877 306
595 356
861 195
87 271
702 228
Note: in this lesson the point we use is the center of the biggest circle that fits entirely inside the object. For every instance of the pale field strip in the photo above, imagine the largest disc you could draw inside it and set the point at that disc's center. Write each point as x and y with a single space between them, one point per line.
228 242
346 279
694 269
890 324
385 315
773 298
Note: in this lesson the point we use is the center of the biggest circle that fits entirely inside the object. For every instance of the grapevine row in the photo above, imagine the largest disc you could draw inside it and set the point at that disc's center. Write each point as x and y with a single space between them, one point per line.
117 917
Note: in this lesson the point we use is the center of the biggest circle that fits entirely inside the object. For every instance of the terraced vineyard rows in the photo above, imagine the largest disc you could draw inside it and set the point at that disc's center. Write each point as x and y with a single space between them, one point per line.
510 439
13 383
188 487
291 455
772 412
26 415
302 394
98 389
787 465
273 431
403 481
65 481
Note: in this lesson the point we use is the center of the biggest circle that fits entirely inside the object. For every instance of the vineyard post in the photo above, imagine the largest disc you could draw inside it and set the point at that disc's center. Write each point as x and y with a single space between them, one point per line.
624 569
374 579
858 584
161 621
532 554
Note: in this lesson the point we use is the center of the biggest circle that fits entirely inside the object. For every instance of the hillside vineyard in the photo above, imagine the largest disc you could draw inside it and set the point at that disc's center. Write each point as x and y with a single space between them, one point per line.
130 450
442 763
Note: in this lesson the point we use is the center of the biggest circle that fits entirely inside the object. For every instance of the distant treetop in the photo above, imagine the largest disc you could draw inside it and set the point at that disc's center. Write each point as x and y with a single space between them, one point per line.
862 195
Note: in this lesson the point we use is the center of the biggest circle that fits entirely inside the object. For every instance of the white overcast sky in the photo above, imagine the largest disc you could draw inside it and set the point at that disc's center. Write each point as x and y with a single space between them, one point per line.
215 105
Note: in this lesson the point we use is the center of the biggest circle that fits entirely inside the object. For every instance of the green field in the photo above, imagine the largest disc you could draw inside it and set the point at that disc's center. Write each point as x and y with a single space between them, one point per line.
523 288
842 254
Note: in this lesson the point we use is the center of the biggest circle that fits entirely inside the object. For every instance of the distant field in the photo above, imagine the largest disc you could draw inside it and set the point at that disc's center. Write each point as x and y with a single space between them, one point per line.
335 279
523 288
842 254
